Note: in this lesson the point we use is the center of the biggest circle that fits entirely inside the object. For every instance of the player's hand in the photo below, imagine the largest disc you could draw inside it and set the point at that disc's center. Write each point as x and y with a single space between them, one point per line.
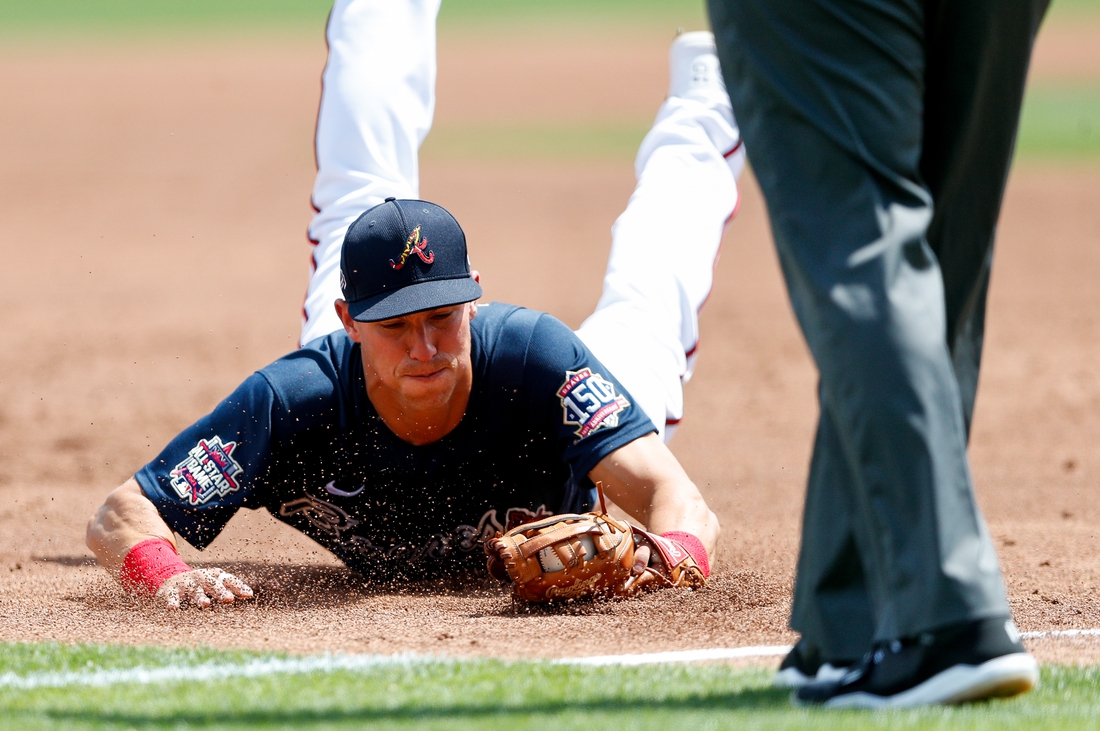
201 588
641 560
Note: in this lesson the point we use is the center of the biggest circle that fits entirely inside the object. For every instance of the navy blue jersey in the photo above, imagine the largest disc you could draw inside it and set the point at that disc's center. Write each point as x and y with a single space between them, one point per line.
301 439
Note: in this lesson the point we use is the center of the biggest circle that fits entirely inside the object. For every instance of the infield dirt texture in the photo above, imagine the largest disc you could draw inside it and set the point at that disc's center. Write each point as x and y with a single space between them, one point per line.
154 194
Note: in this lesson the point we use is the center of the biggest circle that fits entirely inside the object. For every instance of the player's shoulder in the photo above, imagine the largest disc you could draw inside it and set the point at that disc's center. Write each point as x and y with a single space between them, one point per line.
507 338
318 372
500 325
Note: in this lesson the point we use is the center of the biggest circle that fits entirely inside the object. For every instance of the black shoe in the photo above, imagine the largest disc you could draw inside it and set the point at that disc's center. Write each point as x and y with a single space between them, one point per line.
804 665
965 662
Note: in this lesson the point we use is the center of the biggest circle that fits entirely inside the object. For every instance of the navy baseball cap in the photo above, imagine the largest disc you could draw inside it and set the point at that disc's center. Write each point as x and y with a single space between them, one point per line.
404 256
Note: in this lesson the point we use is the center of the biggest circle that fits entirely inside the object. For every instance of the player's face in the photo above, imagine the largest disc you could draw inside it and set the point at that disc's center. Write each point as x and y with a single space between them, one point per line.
422 360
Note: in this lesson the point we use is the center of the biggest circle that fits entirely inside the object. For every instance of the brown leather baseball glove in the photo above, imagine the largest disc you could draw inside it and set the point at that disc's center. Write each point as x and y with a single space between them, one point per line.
572 555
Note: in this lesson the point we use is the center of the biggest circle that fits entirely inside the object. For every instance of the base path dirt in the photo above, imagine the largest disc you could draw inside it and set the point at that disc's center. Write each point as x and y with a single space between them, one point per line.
152 212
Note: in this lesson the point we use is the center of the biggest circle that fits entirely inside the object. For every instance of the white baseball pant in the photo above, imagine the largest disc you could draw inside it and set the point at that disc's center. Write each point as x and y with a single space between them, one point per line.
377 100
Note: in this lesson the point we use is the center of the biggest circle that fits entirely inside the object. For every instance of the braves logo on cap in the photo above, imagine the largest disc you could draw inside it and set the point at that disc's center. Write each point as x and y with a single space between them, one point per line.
414 245
589 401
209 471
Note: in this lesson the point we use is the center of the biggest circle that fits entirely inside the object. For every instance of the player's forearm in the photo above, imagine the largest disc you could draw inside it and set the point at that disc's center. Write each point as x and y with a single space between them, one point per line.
644 479
125 519
127 536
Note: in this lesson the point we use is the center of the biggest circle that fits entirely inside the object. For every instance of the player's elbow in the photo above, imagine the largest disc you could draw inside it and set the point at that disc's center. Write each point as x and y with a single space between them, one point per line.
93 538
125 518
96 533
106 517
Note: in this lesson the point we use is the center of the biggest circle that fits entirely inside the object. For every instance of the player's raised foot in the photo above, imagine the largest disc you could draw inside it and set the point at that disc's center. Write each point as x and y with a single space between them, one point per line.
804 664
693 65
965 662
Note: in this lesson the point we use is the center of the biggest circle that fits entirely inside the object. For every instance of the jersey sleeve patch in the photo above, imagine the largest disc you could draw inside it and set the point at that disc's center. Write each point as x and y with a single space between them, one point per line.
589 402
208 472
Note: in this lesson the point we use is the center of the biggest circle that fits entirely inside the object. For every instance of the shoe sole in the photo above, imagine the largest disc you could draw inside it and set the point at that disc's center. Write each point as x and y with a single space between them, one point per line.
795 678
791 678
1000 677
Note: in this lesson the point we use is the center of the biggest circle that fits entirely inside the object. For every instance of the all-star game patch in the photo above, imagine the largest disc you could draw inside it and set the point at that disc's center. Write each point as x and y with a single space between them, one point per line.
208 472
589 401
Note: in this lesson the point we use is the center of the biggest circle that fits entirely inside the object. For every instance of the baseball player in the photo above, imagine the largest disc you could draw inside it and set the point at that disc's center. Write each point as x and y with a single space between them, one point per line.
414 424
881 134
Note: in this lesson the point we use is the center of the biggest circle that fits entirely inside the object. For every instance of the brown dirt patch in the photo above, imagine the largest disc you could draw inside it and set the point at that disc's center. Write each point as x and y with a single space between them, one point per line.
1067 50
152 212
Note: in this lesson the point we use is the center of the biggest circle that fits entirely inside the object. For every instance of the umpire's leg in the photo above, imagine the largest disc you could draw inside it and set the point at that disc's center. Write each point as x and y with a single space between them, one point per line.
831 600
829 95
978 53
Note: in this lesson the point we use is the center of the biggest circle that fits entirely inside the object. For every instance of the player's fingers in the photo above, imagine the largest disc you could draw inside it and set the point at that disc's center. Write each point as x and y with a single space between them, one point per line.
628 585
199 597
225 596
210 581
207 578
641 560
237 586
172 597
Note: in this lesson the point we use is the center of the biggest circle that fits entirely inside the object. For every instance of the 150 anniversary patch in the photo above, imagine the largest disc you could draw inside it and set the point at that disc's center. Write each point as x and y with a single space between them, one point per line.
589 401
208 472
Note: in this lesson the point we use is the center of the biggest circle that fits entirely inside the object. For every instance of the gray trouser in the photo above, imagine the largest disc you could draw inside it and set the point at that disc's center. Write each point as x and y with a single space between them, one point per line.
881 133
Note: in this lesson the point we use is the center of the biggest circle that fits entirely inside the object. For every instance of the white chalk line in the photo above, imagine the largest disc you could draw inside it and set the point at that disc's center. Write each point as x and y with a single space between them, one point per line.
678 656
1060 633
209 671
333 663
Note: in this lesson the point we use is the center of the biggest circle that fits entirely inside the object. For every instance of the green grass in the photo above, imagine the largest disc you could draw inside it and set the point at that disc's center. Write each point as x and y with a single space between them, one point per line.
543 142
610 13
36 657
91 16
483 694
1061 122
1073 9
133 18
130 17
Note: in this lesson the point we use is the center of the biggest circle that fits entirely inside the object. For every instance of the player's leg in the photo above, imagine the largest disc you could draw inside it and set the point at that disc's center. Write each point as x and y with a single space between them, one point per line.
969 133
377 100
665 244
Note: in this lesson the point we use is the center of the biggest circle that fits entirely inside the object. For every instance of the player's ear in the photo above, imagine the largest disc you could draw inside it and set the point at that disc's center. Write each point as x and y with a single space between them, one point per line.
476 276
346 319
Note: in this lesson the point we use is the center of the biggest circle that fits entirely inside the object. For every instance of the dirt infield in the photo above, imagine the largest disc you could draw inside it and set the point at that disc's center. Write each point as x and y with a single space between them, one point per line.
152 212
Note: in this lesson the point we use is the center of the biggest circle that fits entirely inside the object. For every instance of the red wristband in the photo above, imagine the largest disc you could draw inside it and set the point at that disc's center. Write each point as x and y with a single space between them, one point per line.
693 546
149 564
